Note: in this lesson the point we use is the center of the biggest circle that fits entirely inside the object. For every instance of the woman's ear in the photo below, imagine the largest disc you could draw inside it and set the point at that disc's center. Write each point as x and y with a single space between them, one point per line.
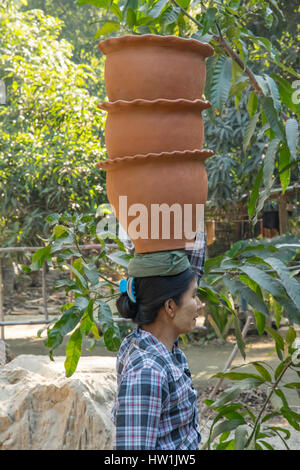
170 307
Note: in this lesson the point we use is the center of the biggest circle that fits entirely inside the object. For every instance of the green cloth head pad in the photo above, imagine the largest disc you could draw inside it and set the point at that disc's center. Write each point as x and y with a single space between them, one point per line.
159 263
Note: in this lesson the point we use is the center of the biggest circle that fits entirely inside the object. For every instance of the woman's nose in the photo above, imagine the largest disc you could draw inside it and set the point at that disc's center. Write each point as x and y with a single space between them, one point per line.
199 304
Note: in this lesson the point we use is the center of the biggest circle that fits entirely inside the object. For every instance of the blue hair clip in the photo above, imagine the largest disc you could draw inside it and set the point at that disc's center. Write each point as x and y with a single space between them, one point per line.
128 286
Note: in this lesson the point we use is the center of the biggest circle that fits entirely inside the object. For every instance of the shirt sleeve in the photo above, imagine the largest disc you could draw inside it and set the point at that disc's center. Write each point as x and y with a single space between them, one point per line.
138 410
196 254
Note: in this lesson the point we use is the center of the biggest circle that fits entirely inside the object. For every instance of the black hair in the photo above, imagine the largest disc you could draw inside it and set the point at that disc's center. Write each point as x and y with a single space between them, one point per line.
151 294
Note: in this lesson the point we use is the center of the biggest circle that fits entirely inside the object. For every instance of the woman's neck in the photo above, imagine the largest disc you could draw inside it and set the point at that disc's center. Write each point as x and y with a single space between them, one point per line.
165 335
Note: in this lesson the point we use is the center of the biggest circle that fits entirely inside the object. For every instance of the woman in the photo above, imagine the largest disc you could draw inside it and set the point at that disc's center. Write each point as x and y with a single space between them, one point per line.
156 403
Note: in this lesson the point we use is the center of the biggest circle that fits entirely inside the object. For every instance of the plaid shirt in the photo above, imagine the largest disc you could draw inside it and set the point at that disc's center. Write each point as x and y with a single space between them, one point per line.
156 403
196 254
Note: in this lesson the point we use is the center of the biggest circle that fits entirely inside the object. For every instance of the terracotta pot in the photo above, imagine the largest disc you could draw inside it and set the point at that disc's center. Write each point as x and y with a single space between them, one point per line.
142 126
151 67
166 178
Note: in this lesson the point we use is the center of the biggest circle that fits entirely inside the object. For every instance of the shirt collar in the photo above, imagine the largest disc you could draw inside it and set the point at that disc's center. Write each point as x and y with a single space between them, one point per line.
147 340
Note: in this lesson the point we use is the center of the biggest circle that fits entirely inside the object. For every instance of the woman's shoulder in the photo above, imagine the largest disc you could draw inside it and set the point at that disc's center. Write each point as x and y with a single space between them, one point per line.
136 357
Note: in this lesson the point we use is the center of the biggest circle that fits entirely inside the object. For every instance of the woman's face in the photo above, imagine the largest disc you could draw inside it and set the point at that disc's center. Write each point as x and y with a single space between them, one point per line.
184 320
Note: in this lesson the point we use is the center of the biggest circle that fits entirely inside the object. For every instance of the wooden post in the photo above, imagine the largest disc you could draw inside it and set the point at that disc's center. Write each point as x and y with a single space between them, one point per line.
1 302
283 215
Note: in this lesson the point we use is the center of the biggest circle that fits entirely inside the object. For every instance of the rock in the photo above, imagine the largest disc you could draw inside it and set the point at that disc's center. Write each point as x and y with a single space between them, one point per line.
5 353
42 409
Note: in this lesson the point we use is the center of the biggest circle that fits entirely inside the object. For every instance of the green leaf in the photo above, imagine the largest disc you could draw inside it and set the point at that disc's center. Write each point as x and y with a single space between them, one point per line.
240 376
291 285
170 15
63 326
242 48
157 9
263 84
78 265
290 335
130 17
237 287
53 218
267 282
184 3
120 257
91 272
273 117
249 131
292 417
255 192
212 263
291 309
95 3
276 336
227 409
226 426
292 135
262 370
87 325
105 316
286 93
239 337
115 9
221 82
112 339
277 312
73 352
227 396
240 437
269 163
270 416
266 444
278 370
252 104
78 276
59 231
81 303
260 322
293 385
208 19
274 92
239 86
26 269
284 161
111 332
39 257
107 28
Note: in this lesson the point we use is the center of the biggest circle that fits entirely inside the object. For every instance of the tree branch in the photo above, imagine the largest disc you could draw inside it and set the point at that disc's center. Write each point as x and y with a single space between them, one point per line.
228 49
274 386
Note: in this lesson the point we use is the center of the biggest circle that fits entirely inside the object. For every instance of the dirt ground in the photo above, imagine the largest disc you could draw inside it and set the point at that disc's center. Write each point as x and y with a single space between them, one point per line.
205 359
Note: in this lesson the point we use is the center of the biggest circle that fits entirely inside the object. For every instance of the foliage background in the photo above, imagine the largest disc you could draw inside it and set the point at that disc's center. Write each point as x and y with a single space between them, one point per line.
51 131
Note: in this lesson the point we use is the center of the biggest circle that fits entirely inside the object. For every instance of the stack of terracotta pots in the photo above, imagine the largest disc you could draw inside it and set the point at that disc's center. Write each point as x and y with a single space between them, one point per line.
154 130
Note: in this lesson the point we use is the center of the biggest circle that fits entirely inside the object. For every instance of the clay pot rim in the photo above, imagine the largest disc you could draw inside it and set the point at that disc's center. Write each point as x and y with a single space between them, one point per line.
115 105
196 154
109 45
